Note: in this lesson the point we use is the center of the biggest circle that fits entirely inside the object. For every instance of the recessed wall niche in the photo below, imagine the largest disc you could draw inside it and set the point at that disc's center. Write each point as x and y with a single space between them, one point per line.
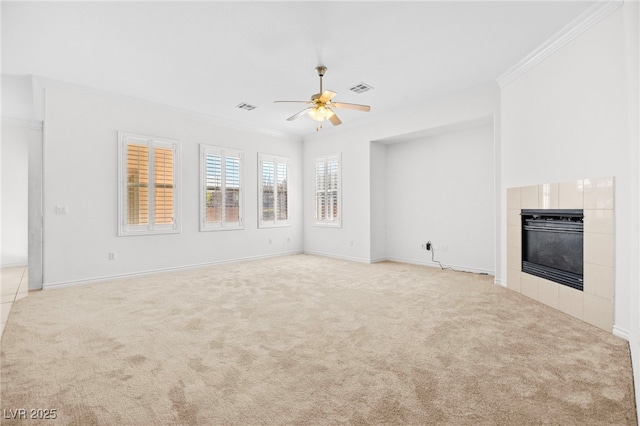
596 197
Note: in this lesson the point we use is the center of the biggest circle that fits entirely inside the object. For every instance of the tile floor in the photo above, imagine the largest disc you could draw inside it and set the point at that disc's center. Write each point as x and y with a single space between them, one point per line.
14 286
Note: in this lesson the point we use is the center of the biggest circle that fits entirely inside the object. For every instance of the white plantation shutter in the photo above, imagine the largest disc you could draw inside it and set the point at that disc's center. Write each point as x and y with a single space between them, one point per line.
268 198
232 190
147 185
282 204
321 190
213 189
273 191
163 181
328 203
332 191
221 193
137 152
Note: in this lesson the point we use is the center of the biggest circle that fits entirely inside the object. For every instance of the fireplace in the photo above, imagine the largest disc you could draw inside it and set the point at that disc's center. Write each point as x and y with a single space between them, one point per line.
552 245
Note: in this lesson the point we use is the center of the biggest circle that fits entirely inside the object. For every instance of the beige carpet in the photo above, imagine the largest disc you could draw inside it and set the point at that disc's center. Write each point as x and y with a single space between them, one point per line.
310 340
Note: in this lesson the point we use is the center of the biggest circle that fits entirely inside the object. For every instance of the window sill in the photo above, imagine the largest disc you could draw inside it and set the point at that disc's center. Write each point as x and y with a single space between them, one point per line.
221 228
274 225
122 233
328 225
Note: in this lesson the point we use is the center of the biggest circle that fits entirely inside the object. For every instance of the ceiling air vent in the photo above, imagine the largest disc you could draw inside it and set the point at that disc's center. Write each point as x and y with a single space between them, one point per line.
246 106
360 88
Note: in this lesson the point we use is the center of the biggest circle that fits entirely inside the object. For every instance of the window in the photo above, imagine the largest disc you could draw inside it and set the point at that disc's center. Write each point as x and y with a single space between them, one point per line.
328 206
273 191
221 204
148 168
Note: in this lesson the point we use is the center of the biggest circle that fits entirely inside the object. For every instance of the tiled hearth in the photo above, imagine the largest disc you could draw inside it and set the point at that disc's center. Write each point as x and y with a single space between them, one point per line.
596 196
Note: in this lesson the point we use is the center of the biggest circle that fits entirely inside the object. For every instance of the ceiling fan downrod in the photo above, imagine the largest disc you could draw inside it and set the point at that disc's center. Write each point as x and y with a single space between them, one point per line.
321 70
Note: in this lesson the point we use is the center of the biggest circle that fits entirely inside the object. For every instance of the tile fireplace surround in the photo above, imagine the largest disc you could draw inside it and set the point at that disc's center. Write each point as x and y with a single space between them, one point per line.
596 197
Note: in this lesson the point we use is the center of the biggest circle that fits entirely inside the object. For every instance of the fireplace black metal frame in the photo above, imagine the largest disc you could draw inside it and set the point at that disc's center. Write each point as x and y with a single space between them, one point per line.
561 233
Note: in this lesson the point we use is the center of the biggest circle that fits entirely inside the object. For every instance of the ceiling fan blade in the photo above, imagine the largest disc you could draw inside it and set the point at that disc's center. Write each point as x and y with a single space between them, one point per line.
327 95
294 116
357 107
335 120
295 102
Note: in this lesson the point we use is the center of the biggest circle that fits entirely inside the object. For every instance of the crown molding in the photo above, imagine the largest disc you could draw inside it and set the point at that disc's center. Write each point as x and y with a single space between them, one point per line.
573 29
40 84
22 122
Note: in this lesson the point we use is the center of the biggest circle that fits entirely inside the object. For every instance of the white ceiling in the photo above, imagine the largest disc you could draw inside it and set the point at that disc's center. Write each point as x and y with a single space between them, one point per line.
208 57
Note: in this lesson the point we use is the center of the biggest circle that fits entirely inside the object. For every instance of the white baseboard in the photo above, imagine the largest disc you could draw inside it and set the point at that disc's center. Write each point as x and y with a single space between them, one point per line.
338 256
63 284
14 265
435 265
622 333
500 282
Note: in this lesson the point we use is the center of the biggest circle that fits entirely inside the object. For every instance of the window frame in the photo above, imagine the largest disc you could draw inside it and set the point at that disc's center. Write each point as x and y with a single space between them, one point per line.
151 228
223 152
275 160
325 160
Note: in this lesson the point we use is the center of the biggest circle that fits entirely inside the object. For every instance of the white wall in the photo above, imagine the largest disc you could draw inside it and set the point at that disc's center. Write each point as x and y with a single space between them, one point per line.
80 172
378 182
16 140
22 131
17 97
575 116
35 211
352 239
360 222
442 189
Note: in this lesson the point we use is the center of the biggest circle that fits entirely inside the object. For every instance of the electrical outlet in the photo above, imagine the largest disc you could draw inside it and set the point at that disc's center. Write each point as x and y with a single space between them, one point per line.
444 248
112 256
428 245
269 240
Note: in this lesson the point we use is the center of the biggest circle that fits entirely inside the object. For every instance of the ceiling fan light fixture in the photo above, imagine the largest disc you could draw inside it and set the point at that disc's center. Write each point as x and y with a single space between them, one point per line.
320 113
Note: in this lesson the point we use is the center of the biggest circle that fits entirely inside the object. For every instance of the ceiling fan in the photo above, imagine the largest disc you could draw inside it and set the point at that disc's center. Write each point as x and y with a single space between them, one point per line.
320 108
